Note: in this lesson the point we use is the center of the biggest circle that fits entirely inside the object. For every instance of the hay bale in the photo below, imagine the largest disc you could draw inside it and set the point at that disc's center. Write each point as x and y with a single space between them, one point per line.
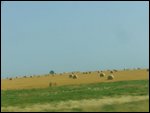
111 71
110 77
10 78
70 76
147 70
75 77
102 75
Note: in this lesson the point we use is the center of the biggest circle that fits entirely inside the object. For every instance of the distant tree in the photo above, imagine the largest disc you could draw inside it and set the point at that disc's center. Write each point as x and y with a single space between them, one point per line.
52 72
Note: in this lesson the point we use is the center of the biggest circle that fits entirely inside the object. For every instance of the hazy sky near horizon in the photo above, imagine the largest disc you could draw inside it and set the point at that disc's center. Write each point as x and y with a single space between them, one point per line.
37 37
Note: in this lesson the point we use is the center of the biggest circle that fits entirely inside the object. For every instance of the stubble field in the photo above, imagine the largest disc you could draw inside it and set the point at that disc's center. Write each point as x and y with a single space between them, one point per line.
128 91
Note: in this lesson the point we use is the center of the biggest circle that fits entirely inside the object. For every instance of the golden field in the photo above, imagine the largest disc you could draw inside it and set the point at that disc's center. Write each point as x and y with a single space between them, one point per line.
63 79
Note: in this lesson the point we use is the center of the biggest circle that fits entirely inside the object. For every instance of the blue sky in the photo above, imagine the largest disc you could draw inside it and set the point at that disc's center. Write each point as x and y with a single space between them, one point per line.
37 37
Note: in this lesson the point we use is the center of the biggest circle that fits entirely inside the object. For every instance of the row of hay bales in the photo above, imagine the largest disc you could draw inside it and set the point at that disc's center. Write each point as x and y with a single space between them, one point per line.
129 69
84 72
109 77
89 72
71 76
74 76
31 76
111 71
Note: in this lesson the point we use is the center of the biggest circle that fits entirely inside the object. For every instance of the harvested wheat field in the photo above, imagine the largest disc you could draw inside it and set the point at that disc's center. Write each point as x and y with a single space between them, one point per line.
75 56
59 80
116 96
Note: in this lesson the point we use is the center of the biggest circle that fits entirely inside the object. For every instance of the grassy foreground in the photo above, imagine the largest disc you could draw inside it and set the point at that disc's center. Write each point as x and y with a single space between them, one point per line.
55 95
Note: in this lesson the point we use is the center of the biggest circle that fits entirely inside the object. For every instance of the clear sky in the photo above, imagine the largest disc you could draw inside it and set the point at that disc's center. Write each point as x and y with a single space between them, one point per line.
37 37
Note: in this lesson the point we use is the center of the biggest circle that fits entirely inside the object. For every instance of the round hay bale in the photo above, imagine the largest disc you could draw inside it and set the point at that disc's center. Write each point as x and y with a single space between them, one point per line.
102 75
110 77
147 70
70 76
75 77
10 78
111 71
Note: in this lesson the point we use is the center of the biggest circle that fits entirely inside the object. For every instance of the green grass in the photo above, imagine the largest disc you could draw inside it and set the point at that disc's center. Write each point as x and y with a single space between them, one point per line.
140 106
74 92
